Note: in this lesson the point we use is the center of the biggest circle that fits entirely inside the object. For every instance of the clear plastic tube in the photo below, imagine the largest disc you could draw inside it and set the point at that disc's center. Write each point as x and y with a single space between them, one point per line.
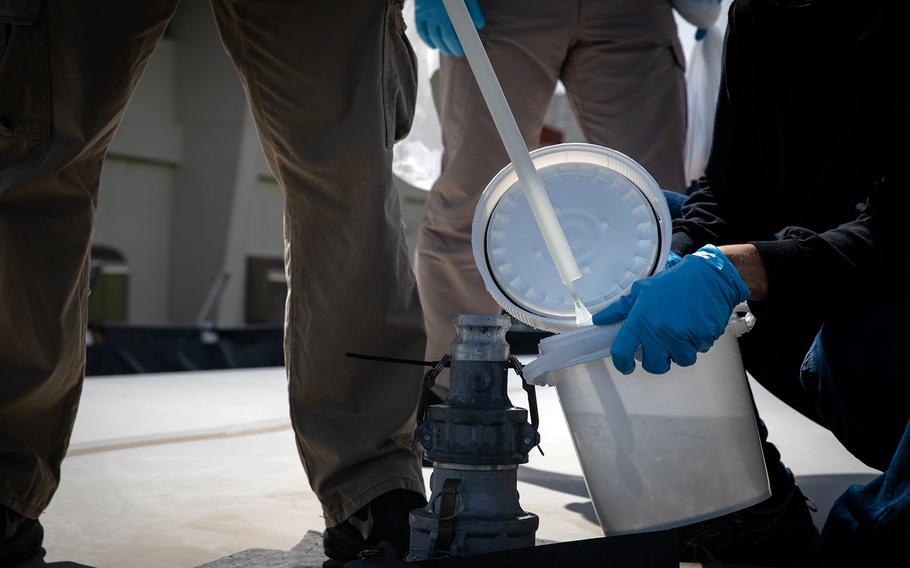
531 184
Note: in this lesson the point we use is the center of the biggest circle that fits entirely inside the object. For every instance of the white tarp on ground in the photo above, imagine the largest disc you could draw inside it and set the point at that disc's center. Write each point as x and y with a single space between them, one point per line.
173 470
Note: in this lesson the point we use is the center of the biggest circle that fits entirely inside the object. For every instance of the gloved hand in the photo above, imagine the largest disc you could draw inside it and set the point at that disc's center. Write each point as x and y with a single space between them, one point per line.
676 313
436 29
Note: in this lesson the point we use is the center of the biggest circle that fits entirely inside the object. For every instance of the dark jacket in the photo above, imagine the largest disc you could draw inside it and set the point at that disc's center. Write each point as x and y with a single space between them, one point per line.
809 157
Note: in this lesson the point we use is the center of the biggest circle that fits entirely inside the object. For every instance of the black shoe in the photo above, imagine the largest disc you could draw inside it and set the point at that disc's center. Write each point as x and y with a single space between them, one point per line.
384 519
20 539
776 532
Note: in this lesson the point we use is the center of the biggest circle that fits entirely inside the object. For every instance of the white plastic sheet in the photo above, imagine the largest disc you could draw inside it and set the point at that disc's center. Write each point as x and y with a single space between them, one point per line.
418 158
702 85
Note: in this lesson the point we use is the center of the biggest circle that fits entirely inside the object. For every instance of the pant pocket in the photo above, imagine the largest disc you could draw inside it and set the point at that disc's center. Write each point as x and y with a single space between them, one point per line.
679 58
25 108
399 76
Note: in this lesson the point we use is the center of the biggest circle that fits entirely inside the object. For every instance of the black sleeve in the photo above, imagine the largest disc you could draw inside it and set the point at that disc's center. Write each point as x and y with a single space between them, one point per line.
864 259
719 211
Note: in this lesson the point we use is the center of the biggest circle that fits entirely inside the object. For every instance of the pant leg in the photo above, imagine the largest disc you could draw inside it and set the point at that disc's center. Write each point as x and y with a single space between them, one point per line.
840 371
869 525
66 75
772 354
857 379
526 42
625 76
331 86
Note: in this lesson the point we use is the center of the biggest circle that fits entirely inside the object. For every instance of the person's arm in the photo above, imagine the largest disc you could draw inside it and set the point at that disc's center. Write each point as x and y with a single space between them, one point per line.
860 259
803 269
863 258
677 313
727 205
751 268
810 270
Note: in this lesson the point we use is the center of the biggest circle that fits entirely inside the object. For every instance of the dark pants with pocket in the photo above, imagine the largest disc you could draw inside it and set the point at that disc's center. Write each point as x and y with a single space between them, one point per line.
331 86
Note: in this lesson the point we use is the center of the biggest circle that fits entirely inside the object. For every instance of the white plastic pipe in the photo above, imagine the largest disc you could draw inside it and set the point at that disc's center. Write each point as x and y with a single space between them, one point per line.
515 145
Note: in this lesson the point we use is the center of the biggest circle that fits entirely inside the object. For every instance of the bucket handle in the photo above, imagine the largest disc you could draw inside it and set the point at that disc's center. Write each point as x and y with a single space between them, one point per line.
742 321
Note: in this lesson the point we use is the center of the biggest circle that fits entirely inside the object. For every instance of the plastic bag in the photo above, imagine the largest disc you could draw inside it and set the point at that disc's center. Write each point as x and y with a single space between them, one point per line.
418 158
702 85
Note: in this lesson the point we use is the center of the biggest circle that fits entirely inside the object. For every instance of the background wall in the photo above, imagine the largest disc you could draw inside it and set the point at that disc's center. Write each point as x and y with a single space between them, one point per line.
186 194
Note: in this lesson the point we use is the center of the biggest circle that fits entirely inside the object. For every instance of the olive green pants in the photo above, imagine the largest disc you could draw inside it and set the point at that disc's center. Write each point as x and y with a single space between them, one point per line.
623 69
331 86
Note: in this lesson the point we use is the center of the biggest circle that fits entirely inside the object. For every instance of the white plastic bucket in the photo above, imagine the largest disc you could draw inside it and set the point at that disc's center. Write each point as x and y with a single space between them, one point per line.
657 451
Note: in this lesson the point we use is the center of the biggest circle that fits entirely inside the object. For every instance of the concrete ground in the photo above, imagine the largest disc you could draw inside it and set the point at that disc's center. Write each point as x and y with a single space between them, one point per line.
176 470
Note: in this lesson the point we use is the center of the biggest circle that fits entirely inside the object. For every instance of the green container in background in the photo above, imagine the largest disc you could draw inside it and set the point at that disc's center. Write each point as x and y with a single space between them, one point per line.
110 295
266 290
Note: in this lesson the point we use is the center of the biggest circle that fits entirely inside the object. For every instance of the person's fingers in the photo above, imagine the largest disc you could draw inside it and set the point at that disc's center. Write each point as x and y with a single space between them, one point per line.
703 344
623 350
655 359
615 312
425 34
683 355
451 39
718 330
436 37
476 15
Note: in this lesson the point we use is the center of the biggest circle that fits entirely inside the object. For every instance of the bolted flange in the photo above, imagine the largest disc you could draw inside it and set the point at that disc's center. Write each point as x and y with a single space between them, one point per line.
476 441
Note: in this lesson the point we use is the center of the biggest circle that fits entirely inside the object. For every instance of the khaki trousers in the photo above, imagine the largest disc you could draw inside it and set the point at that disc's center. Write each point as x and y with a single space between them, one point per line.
623 70
331 86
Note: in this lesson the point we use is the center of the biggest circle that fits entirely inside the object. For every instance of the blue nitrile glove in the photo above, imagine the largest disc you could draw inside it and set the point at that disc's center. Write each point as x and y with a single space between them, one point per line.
435 27
676 313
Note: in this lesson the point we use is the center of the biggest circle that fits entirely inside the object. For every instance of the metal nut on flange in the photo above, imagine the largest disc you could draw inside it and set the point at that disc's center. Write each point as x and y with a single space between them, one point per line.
529 437
480 382
425 436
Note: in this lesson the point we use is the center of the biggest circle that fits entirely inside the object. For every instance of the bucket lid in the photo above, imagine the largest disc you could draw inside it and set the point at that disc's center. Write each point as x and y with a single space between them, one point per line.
615 219
569 349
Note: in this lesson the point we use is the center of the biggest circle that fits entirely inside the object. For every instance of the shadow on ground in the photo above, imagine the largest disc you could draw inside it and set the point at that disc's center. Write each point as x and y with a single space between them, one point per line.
563 483
822 489
40 563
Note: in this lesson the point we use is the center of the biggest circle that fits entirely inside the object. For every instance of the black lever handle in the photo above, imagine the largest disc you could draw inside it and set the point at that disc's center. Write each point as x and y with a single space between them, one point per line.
429 379
381 359
530 391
